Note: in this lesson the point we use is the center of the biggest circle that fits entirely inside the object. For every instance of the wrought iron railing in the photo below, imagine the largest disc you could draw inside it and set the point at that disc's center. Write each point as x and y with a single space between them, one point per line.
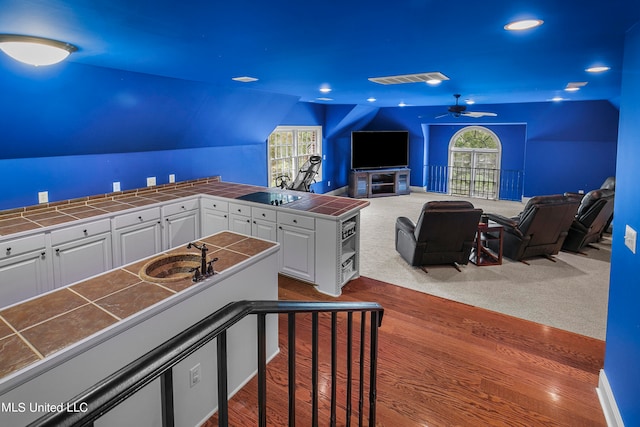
486 183
113 390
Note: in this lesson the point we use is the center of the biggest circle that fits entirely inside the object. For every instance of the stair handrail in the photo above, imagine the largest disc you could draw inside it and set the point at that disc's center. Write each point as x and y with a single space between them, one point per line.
122 384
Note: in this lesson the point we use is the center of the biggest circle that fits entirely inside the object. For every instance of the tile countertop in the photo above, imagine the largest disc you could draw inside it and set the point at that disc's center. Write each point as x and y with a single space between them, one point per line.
49 214
38 328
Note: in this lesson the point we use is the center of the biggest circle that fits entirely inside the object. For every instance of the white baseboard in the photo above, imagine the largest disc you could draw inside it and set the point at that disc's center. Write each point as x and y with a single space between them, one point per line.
608 402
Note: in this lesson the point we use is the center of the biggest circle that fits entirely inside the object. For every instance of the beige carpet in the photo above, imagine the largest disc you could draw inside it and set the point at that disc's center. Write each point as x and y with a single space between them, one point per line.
570 294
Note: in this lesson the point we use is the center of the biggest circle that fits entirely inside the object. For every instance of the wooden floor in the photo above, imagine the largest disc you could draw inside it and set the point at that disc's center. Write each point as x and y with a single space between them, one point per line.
443 363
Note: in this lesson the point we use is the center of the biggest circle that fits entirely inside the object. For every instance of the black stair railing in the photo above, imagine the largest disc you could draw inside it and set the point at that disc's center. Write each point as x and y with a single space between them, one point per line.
159 362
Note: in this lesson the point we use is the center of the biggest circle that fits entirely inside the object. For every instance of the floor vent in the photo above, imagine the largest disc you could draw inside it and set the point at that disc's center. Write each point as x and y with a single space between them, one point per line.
409 78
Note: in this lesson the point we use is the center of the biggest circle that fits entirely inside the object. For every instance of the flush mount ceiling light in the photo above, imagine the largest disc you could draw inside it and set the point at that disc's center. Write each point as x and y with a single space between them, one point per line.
35 50
524 24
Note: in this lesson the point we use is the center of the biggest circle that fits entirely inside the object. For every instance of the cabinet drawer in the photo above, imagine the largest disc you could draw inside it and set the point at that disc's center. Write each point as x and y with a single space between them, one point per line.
137 217
261 213
21 246
235 208
183 206
296 220
80 231
218 205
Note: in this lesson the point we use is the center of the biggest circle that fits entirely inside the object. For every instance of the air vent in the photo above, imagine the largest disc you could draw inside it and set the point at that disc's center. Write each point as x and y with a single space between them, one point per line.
409 78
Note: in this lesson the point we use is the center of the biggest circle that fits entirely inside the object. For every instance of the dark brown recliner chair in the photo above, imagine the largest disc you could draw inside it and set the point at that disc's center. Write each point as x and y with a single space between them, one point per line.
591 220
539 230
444 234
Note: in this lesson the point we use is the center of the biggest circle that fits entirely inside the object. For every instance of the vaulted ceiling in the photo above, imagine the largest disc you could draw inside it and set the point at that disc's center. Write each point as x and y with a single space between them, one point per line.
297 47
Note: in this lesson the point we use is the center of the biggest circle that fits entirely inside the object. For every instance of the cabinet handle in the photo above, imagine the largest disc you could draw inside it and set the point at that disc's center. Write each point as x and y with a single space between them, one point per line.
140 218
263 214
254 222
295 221
215 206
182 207
8 250
58 252
84 231
280 227
225 216
42 254
248 221
239 210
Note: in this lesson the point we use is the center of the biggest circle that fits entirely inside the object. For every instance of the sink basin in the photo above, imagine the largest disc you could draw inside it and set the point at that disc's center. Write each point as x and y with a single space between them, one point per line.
170 268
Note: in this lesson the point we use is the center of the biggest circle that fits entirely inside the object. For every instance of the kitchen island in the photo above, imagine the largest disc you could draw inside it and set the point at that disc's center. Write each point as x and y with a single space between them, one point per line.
57 344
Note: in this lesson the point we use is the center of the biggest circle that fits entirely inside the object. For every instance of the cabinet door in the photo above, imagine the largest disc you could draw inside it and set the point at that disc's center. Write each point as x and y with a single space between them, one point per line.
23 277
78 260
213 221
180 229
297 252
137 242
240 224
264 229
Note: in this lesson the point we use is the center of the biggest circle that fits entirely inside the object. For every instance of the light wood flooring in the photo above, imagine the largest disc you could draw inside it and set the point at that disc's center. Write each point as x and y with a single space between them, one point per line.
443 363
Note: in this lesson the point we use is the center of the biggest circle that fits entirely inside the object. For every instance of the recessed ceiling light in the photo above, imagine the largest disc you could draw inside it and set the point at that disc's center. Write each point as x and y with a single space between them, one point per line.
325 89
557 99
371 99
598 69
324 99
470 101
523 24
245 79
402 104
434 82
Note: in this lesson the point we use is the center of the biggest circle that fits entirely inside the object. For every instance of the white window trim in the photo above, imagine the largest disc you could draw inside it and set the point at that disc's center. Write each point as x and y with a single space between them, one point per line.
295 129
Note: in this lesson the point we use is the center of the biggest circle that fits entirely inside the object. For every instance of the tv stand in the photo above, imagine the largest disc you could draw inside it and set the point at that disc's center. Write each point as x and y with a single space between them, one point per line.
378 182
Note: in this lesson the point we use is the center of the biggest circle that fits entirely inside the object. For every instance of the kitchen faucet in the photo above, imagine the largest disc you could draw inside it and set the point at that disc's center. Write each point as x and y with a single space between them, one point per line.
206 268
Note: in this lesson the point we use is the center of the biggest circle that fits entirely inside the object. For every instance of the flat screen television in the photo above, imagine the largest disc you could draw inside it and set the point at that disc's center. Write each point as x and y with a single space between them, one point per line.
379 149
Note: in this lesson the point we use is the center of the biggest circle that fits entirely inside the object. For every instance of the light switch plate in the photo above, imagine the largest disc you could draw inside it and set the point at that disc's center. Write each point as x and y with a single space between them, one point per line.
172 178
116 186
43 197
151 181
630 236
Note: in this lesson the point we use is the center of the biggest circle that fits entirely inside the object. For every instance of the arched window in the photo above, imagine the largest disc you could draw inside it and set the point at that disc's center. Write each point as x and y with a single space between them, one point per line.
474 163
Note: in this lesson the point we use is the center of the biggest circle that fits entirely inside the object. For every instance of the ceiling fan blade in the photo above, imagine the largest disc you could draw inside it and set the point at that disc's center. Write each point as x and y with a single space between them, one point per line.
477 114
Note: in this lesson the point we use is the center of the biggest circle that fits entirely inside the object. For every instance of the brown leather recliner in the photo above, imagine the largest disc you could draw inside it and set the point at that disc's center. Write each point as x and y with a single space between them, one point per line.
443 234
539 230
591 220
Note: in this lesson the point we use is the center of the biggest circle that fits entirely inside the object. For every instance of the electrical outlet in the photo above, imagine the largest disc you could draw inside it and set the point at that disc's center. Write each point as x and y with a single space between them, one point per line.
172 178
328 183
116 187
43 197
151 181
630 236
195 375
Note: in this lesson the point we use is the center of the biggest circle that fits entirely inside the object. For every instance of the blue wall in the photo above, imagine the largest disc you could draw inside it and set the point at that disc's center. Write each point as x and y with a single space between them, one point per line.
623 322
73 129
561 147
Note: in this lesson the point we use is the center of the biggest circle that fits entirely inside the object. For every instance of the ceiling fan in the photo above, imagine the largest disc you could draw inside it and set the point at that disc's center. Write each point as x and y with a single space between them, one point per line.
461 110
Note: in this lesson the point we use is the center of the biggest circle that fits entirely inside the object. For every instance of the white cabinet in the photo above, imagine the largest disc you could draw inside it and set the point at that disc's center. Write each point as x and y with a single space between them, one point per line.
240 218
81 251
263 223
296 235
180 222
136 235
24 269
214 216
